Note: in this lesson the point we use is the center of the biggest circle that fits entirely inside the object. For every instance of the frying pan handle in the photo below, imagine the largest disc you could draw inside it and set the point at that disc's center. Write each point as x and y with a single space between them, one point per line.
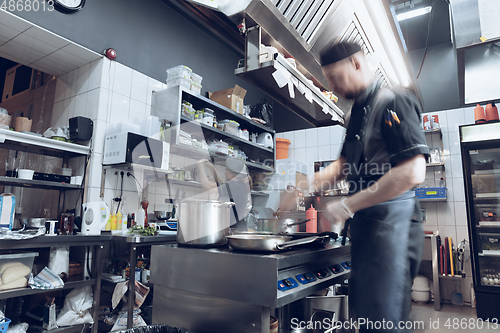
302 241
297 223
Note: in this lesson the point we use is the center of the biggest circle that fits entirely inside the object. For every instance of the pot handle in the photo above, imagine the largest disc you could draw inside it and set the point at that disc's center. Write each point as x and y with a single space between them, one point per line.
302 241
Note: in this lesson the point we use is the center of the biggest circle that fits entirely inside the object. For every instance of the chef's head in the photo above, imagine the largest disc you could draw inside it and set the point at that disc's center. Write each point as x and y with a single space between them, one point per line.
345 67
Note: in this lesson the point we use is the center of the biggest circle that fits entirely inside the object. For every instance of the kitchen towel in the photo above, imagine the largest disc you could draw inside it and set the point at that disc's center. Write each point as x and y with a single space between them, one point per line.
46 279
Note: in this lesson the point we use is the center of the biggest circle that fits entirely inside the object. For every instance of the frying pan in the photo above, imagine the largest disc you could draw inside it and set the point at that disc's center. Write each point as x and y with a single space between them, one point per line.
270 243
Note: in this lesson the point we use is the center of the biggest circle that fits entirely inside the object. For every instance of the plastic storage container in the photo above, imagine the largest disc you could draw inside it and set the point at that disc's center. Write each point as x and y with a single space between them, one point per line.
431 193
15 269
196 78
420 291
208 117
4 326
231 127
180 70
183 81
195 88
4 118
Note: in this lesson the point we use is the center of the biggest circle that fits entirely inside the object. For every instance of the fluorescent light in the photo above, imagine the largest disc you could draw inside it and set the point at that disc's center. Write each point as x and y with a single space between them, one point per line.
414 13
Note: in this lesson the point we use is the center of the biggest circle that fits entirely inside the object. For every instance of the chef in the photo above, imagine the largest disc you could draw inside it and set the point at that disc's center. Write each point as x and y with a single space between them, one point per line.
235 186
383 159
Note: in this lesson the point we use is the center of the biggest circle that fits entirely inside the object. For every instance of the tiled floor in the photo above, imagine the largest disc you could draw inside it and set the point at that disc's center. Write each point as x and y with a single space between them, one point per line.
463 317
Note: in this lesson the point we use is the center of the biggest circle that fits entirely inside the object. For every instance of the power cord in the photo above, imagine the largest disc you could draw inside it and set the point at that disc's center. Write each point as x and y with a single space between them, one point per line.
431 15
129 174
119 200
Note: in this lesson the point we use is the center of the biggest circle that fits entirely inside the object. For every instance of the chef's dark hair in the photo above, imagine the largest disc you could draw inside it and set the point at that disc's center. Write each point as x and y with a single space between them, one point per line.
337 52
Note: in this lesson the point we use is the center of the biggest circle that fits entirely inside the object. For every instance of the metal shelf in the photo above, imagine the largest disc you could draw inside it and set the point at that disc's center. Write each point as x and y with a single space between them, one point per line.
434 164
320 111
259 194
197 153
202 102
40 145
228 135
28 291
489 253
436 130
43 184
69 329
49 241
433 200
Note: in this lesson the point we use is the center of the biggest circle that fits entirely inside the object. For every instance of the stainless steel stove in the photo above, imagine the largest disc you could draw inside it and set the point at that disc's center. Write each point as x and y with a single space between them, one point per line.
219 290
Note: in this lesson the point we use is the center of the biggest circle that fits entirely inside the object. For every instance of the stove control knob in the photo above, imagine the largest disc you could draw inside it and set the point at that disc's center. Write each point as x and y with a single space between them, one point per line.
287 283
308 277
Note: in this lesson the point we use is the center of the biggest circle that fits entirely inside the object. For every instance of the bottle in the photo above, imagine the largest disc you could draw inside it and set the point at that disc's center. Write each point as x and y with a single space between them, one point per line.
312 214
108 225
124 224
442 183
113 222
479 115
491 112
119 217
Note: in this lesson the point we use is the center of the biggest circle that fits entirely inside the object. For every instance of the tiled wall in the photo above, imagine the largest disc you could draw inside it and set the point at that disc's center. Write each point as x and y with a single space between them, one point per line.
450 217
108 92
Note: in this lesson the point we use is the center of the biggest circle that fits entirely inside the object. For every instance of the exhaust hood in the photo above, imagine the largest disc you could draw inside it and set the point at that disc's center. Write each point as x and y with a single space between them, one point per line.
301 29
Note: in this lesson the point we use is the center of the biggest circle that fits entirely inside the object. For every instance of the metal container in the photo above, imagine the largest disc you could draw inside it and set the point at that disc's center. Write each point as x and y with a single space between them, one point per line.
162 215
38 222
203 222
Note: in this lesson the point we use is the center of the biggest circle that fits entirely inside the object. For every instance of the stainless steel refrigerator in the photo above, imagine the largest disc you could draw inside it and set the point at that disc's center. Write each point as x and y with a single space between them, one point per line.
480 146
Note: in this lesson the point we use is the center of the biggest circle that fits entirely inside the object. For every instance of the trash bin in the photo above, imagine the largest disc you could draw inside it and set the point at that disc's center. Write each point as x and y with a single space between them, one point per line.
155 329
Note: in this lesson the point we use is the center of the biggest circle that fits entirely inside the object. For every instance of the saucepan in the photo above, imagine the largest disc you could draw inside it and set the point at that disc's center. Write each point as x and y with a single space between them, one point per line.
271 243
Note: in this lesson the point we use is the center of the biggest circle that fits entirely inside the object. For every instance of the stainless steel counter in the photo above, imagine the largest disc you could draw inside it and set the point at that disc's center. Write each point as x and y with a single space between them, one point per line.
215 285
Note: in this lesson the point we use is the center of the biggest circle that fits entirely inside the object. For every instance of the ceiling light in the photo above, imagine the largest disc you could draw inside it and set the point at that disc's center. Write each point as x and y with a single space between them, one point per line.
414 13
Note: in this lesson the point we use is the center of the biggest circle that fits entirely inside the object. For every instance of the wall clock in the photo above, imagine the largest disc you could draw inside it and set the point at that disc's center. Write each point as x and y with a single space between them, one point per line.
68 6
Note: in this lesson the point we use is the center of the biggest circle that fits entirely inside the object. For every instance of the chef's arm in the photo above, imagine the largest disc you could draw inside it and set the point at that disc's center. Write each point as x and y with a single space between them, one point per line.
401 178
204 181
329 176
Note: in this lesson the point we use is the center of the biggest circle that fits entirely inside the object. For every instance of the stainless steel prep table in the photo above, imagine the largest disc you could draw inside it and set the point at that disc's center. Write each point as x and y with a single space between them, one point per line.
211 290
135 241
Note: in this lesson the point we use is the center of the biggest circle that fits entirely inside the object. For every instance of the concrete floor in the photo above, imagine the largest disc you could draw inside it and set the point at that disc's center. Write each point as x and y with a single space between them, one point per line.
442 321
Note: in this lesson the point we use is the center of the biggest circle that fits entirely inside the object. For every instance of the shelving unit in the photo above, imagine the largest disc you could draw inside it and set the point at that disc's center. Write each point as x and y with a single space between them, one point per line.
439 164
96 244
166 104
31 143
39 145
133 242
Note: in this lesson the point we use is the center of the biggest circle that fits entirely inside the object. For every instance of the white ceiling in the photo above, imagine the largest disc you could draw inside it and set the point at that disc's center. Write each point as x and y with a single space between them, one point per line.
35 47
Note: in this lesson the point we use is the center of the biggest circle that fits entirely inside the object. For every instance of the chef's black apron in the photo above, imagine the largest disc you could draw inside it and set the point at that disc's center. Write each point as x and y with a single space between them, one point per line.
386 239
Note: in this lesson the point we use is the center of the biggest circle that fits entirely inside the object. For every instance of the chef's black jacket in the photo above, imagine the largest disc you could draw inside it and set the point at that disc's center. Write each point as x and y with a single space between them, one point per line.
383 130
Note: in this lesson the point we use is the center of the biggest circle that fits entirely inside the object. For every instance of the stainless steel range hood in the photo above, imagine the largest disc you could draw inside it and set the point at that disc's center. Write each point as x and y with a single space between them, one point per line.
301 29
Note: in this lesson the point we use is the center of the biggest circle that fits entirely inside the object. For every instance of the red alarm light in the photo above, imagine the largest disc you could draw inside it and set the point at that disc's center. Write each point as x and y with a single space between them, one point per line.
110 54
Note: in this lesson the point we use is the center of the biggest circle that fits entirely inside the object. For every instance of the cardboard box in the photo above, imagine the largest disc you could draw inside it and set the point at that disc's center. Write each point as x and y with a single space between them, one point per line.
231 98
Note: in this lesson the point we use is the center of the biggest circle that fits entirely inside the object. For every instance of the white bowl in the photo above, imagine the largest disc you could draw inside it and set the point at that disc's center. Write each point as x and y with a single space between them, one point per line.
25 174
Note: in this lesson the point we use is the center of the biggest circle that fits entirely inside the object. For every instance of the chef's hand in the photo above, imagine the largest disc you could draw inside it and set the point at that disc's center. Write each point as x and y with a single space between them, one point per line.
337 213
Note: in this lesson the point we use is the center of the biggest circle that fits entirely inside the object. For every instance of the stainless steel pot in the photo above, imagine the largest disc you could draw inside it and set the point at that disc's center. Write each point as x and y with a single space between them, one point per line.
203 222
38 222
